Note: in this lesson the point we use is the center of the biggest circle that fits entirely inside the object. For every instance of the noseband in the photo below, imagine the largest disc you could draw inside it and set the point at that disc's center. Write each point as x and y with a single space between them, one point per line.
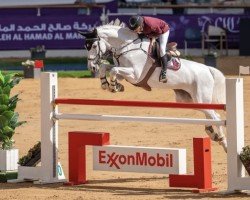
100 55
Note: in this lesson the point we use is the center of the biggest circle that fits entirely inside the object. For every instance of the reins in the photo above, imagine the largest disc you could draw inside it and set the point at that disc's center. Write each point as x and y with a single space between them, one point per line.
103 55
117 56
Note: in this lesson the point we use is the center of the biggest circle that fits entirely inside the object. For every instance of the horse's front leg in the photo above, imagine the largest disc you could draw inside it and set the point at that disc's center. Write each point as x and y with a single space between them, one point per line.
104 68
119 73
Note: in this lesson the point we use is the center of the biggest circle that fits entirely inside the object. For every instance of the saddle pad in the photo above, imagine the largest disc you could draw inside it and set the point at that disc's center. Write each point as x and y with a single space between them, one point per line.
176 64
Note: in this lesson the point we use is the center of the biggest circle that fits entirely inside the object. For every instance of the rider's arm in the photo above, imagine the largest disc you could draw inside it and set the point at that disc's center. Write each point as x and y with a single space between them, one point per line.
154 27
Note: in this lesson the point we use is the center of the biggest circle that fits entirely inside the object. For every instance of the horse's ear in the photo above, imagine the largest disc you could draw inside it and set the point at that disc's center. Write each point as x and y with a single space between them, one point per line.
123 25
92 34
95 32
84 34
111 23
117 22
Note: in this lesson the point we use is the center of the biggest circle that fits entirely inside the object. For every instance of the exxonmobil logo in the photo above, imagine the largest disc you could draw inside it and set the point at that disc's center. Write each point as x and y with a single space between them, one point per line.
139 159
114 159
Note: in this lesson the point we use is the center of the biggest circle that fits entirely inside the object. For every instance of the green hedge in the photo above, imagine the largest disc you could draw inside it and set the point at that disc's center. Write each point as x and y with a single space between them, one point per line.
4 176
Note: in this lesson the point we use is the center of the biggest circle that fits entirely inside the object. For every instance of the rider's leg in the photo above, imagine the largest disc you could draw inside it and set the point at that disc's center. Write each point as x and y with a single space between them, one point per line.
166 62
163 39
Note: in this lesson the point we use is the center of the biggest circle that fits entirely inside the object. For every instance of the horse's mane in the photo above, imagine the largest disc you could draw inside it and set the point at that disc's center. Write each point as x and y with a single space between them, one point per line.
116 25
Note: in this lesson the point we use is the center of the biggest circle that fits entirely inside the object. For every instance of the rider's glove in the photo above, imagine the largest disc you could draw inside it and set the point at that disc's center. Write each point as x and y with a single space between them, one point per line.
141 36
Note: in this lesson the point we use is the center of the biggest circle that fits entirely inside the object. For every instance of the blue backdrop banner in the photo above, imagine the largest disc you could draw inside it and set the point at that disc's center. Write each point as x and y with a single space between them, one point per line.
60 32
190 26
52 32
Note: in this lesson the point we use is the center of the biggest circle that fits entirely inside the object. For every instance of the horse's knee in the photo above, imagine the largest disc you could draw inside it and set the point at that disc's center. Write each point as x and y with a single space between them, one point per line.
102 73
113 73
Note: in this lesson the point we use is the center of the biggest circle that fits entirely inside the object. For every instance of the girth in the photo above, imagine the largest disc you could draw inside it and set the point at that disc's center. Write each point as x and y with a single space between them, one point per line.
144 82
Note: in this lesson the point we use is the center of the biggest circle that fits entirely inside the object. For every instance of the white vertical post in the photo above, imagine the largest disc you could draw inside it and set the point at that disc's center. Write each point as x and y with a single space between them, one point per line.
49 129
50 170
235 135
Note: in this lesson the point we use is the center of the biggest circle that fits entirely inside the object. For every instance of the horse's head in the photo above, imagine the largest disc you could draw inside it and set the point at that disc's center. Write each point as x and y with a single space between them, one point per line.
97 48
100 41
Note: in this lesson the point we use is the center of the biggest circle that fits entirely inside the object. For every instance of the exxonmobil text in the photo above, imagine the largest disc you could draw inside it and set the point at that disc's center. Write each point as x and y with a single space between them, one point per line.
115 160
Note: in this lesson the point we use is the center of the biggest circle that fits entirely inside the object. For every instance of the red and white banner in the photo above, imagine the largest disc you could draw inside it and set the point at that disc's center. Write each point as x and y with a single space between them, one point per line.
139 159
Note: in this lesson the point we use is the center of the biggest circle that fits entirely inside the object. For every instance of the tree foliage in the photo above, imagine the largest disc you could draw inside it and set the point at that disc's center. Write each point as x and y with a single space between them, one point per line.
8 117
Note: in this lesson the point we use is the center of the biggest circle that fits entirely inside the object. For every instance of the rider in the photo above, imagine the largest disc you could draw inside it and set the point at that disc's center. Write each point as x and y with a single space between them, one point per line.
153 27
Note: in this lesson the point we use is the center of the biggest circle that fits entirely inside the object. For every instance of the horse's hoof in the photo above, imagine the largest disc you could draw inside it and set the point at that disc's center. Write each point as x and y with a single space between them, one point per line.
112 90
105 86
223 143
117 88
120 87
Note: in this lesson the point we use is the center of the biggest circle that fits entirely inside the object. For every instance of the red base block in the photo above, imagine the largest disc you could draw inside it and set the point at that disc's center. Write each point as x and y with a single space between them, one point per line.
202 178
77 153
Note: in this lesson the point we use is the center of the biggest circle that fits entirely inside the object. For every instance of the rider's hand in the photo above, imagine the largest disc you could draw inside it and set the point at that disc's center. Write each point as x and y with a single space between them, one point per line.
138 29
141 36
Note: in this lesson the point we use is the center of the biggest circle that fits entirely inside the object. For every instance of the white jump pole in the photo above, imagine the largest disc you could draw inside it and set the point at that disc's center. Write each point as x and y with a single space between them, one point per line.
235 135
140 119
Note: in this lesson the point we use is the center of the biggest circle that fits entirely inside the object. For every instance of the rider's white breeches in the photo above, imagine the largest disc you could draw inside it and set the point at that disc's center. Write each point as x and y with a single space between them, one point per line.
163 39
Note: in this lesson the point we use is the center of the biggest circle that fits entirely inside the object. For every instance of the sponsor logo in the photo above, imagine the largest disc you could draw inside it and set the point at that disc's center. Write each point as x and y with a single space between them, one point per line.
115 160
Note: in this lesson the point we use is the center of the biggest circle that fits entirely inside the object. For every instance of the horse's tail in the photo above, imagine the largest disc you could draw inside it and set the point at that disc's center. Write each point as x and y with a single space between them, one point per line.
219 92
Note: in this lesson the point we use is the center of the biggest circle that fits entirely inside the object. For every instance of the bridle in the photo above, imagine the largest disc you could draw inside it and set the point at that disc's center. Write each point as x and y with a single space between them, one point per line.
100 55
112 51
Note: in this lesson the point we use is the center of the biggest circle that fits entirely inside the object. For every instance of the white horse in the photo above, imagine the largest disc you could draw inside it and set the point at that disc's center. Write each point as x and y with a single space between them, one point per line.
193 82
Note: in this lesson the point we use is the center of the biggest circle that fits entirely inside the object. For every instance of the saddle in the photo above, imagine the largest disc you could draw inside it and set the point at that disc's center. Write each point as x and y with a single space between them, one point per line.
172 49
154 52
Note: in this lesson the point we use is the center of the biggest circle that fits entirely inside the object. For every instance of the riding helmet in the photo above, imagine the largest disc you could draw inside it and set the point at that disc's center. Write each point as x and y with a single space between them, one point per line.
135 22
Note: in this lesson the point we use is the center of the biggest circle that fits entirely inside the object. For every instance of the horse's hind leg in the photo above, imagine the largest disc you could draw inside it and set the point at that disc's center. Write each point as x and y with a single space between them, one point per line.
183 96
205 96
215 136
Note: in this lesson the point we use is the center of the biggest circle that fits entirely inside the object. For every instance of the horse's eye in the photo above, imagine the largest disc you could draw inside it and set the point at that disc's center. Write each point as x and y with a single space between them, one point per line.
94 46
88 46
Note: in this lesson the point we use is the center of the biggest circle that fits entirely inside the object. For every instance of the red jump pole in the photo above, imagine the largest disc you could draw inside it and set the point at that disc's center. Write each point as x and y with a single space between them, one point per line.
107 102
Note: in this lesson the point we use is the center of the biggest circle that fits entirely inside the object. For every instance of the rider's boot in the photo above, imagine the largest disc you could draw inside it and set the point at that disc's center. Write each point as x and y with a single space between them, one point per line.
166 62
